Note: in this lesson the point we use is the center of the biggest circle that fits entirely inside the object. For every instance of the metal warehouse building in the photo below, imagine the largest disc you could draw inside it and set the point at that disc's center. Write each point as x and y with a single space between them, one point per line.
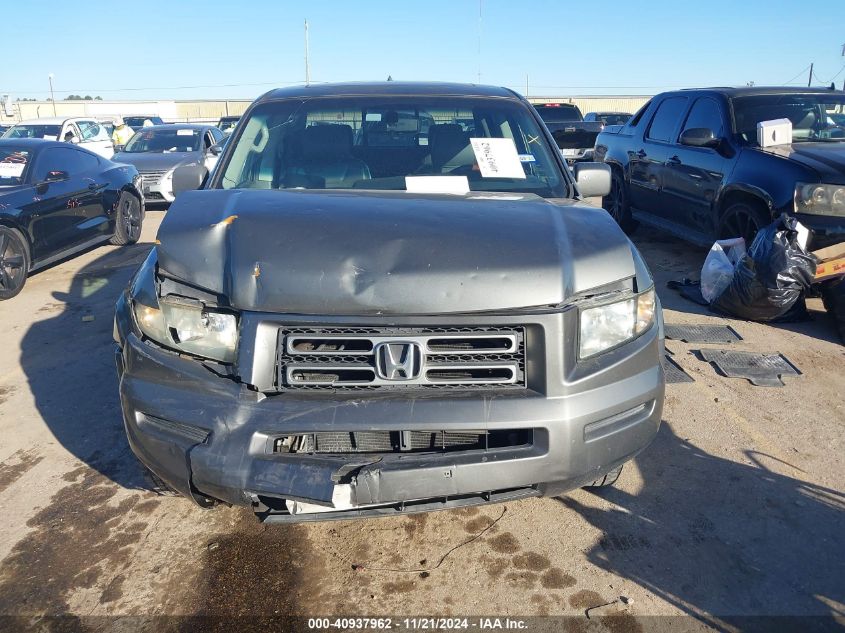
213 109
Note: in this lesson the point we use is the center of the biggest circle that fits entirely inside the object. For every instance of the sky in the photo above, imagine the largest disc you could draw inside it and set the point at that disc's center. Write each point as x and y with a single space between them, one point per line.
187 49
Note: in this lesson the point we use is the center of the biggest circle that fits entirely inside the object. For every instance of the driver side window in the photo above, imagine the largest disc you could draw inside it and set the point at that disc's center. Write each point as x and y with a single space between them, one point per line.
705 113
60 159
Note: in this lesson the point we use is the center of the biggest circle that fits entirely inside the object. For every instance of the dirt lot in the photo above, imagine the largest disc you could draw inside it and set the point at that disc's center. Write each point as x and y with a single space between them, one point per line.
738 508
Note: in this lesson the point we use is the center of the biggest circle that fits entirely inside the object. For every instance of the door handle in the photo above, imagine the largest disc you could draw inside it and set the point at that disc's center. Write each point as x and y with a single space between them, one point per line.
674 160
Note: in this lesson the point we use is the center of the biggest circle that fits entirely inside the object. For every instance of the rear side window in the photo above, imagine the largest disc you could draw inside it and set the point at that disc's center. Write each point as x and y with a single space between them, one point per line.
706 113
639 115
665 120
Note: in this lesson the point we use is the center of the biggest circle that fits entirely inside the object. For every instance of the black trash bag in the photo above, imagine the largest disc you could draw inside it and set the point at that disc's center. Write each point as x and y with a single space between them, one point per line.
772 277
833 296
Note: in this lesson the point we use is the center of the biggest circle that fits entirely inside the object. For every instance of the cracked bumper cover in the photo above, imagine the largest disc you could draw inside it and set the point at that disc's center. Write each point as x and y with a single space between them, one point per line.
211 438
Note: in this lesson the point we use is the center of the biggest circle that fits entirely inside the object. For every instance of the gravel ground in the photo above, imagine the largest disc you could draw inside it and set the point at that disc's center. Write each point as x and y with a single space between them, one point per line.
738 508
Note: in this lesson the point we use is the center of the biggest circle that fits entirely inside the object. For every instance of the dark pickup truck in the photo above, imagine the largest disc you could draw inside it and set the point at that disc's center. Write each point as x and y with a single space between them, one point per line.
574 136
689 162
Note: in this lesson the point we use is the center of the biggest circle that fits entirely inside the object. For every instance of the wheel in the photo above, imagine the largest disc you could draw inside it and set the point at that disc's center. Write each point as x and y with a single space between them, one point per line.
127 222
608 480
14 262
742 219
616 203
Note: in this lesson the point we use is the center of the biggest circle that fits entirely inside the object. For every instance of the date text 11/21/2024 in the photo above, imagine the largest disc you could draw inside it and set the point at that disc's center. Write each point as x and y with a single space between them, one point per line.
416 624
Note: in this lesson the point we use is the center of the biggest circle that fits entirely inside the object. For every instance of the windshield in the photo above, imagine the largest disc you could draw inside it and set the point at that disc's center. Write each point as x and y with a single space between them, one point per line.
227 124
614 119
13 162
814 116
163 141
378 142
49 132
554 113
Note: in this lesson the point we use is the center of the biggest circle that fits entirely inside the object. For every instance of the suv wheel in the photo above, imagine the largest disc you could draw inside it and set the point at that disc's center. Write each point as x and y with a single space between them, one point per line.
742 219
14 262
616 203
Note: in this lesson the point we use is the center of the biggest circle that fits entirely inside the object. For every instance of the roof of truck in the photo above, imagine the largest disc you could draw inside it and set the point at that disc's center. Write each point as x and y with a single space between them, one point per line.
411 88
749 91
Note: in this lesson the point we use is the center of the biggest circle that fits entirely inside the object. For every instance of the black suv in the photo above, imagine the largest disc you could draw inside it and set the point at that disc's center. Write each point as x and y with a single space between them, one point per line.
689 162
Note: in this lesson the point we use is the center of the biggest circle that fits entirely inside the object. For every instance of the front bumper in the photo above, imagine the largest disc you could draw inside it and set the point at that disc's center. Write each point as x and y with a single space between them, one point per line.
825 230
160 191
212 438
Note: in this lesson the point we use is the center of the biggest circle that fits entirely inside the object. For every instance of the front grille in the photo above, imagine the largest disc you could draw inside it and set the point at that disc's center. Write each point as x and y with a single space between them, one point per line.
152 177
401 358
338 442
153 195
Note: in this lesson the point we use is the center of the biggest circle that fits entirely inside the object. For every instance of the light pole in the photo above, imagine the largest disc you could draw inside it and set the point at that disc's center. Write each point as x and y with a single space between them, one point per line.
52 96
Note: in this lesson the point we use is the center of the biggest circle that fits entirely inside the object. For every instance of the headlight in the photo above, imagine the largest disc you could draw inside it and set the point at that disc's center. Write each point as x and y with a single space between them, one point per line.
180 323
609 325
820 199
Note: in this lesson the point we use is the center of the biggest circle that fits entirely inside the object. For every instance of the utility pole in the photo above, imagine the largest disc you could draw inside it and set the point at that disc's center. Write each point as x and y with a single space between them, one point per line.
526 85
307 65
810 80
52 96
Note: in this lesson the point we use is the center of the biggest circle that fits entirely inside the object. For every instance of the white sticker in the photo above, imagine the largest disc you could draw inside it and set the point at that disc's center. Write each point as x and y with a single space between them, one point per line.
458 185
423 140
49 137
11 170
497 158
185 132
568 152
527 158
373 116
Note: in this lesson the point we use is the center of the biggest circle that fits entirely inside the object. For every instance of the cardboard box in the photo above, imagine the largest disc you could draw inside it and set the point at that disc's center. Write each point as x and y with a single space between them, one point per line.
774 132
832 262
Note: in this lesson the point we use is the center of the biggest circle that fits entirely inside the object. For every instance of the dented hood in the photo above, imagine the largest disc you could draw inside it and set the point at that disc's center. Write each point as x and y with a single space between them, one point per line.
370 252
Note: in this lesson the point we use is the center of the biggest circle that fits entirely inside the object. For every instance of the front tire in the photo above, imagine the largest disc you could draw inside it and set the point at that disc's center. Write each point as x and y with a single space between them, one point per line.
616 204
128 219
14 262
742 219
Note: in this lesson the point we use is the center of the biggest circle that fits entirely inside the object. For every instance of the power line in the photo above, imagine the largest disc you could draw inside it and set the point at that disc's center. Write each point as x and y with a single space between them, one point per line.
803 70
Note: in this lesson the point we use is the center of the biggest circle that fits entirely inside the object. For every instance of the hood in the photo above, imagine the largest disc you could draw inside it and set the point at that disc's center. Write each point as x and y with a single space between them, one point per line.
156 161
356 253
828 159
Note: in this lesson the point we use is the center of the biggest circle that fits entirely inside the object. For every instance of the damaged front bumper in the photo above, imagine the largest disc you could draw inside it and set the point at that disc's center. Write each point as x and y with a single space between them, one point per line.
213 438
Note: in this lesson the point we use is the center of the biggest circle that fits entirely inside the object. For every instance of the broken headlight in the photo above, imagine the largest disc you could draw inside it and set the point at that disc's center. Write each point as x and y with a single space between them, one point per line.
609 325
820 199
182 323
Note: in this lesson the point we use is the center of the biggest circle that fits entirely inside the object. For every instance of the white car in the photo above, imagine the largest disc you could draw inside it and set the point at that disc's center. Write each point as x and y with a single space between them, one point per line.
84 131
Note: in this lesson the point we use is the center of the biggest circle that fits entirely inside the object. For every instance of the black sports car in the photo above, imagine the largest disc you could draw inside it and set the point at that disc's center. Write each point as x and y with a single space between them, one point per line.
57 200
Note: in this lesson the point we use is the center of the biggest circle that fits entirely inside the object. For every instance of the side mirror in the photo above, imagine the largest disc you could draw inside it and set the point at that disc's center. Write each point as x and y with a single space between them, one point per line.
215 149
593 179
700 137
56 176
118 148
187 178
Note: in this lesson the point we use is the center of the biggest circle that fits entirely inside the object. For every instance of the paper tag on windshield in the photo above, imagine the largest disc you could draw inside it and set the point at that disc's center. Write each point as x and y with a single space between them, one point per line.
184 132
457 185
50 137
497 158
11 170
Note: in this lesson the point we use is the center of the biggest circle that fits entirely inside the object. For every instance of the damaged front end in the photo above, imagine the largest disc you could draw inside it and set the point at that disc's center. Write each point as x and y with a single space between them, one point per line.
301 422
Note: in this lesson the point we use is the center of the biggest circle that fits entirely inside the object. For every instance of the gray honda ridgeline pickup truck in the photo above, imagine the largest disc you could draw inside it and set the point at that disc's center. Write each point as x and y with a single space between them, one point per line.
388 298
